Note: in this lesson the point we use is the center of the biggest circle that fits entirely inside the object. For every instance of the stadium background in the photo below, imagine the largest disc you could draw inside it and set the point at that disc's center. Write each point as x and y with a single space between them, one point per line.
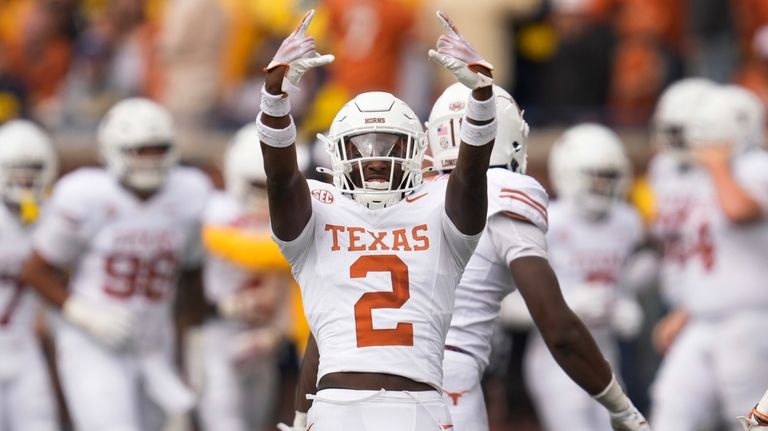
64 62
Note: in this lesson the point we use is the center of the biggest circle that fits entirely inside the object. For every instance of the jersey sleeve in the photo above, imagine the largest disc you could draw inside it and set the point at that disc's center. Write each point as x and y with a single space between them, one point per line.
751 172
63 232
521 198
296 250
462 246
513 239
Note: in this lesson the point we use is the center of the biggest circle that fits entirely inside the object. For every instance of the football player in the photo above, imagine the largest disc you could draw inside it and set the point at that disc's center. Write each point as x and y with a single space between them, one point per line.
592 233
670 185
378 254
124 233
721 237
512 254
28 166
757 420
239 372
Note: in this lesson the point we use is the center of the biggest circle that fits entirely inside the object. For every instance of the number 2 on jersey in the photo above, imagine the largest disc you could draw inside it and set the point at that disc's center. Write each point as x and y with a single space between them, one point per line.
367 336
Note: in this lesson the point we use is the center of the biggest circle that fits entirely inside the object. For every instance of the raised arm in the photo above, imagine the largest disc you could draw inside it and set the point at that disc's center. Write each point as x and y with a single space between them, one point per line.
737 204
289 200
466 200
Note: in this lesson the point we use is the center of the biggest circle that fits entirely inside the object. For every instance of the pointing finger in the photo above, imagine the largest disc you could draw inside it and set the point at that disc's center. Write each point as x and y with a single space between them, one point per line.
448 25
301 30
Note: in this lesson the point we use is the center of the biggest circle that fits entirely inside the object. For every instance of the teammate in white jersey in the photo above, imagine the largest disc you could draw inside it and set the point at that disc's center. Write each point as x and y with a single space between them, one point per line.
124 232
512 254
592 233
239 365
28 166
378 254
716 360
670 182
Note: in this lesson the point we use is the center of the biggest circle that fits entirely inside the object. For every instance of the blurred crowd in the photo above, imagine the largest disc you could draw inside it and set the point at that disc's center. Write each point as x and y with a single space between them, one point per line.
64 62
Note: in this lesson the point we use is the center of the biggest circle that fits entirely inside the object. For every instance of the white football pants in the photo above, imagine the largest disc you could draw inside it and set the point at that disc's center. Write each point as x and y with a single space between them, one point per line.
234 397
463 392
352 410
560 403
26 394
109 391
715 371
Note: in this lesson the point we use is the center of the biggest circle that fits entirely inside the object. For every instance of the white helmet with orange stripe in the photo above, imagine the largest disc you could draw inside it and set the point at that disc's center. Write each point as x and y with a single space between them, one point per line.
588 166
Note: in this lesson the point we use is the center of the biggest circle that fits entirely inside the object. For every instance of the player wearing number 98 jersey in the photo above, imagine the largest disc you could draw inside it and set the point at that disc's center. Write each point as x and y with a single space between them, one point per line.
716 359
124 232
28 167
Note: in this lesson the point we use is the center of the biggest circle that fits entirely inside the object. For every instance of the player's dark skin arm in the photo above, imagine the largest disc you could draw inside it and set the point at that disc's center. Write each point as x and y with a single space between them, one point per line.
45 278
567 338
289 201
307 376
466 200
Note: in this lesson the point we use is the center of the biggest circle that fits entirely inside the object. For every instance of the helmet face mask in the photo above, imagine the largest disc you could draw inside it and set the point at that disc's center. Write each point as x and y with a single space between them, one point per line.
136 139
589 169
672 116
244 175
28 166
376 146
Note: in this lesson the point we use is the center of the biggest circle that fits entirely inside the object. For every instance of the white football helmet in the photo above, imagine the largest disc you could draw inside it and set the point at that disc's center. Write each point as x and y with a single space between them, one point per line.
244 174
673 112
376 126
130 126
444 126
28 165
589 168
728 115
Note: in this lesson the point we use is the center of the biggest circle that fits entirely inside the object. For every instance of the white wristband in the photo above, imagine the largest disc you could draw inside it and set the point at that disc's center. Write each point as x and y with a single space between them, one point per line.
481 110
299 420
274 105
278 138
478 135
613 397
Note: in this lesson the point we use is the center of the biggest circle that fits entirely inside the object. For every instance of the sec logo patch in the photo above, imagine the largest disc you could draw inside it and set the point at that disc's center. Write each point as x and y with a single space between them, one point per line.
323 196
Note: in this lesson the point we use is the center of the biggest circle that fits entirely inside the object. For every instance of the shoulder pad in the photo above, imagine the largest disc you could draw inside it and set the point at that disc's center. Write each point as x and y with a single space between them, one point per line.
518 196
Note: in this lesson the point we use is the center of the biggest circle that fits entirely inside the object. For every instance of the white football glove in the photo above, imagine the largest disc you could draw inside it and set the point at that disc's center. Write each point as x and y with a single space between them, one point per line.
111 326
629 420
627 318
298 53
458 56
254 343
757 420
751 424
248 305
592 302
299 423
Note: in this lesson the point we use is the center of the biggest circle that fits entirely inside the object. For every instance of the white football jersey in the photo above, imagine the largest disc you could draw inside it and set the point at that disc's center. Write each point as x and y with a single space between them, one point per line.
17 302
724 264
487 280
378 285
122 251
585 253
221 278
673 187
